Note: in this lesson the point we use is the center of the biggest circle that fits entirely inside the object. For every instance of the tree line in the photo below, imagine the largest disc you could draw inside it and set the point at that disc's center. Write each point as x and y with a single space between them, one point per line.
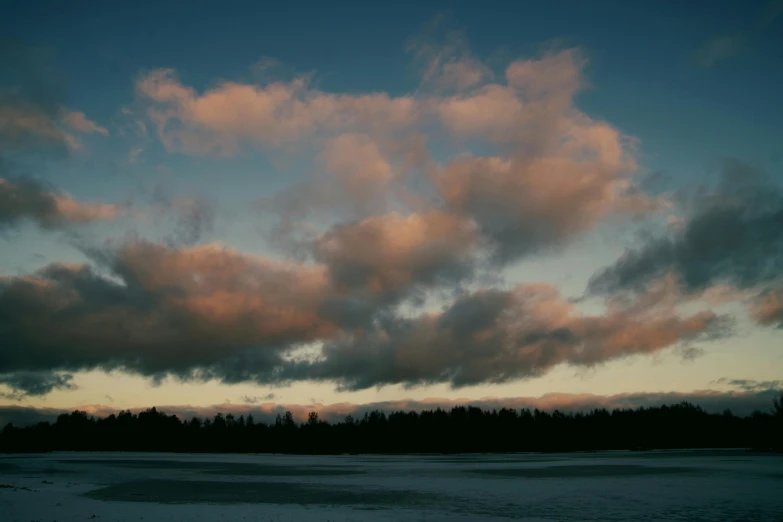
463 429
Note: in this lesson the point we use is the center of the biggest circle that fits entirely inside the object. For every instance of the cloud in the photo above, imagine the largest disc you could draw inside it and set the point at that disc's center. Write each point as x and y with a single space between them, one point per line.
383 254
523 206
31 118
78 121
532 109
27 199
750 385
445 59
361 170
23 126
209 312
493 336
160 311
767 309
725 47
717 49
556 175
732 236
548 174
560 173
565 171
26 416
222 119
31 103
739 402
195 218
192 218
255 399
32 110
28 384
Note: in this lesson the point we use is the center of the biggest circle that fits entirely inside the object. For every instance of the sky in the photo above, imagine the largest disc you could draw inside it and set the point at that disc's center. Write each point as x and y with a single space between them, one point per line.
240 205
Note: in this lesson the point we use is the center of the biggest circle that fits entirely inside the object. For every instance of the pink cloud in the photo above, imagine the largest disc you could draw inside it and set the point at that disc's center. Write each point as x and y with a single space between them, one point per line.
20 124
445 59
556 75
390 252
75 212
534 107
493 111
360 168
78 121
560 172
564 172
223 288
526 203
220 120
767 309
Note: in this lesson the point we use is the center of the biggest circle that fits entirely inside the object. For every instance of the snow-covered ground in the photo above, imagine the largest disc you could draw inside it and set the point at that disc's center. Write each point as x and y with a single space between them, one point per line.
607 486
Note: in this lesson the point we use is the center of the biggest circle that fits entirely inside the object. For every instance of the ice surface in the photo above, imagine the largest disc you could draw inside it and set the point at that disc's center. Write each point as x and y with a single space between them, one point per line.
605 486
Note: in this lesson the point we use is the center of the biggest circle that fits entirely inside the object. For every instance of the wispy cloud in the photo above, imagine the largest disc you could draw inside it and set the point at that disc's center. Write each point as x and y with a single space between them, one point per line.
726 47
445 59
78 121
751 385
717 50
256 399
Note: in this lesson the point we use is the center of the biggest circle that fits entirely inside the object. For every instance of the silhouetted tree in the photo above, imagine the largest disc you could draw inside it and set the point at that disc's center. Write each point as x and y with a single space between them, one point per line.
461 429
777 406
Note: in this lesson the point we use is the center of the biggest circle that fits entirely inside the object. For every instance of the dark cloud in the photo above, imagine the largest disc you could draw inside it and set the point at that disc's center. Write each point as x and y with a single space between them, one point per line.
28 199
495 336
733 235
25 383
209 312
205 311
751 385
25 416
255 399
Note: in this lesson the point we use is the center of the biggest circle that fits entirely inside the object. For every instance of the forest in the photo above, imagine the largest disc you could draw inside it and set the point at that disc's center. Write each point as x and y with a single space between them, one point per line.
462 429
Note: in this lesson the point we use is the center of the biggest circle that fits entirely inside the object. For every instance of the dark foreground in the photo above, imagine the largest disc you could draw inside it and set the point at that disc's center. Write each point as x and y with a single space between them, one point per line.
706 485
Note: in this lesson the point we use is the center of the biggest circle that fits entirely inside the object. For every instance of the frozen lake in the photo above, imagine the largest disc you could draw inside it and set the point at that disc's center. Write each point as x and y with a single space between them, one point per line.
715 485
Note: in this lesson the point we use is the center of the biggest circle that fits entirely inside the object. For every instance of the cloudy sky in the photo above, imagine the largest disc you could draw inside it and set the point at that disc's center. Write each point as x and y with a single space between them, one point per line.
247 205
